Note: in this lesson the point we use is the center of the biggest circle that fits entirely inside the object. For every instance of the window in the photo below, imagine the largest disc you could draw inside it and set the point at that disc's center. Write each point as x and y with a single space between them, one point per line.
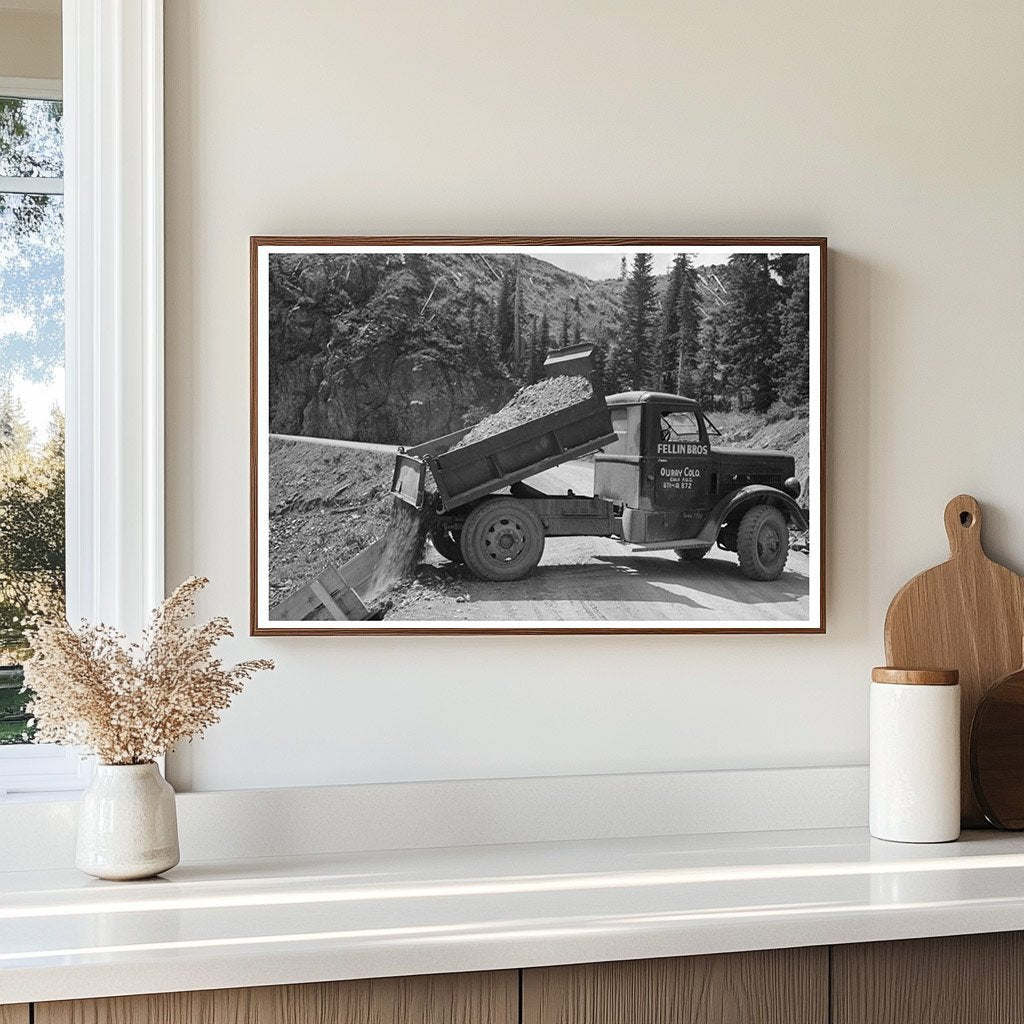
620 419
31 382
679 426
112 208
32 531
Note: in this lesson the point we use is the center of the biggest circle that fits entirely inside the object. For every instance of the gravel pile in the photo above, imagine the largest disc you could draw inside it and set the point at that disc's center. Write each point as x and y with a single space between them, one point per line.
530 403
326 505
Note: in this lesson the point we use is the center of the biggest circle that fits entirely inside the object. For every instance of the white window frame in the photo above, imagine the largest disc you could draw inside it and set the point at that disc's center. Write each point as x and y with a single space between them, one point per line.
114 325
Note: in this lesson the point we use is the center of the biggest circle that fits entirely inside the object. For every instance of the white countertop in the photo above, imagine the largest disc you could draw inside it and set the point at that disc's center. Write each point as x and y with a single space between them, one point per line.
351 915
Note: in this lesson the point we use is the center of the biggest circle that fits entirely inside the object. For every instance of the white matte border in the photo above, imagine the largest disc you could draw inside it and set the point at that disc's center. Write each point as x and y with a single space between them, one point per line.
814 622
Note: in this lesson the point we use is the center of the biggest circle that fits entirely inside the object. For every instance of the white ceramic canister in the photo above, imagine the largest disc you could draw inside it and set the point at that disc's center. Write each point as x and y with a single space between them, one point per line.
915 755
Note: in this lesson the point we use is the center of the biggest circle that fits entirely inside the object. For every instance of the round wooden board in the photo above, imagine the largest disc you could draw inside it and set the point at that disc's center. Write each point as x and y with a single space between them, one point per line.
997 752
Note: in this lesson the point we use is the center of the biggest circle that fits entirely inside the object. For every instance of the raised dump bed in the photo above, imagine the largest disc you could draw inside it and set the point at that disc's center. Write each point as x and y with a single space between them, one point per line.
464 474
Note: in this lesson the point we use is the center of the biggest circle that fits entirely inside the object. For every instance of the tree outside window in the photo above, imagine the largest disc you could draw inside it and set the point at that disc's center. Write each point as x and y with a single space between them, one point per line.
31 386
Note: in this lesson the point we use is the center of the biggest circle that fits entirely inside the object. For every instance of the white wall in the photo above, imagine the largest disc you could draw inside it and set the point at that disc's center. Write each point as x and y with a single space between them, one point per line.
895 129
30 41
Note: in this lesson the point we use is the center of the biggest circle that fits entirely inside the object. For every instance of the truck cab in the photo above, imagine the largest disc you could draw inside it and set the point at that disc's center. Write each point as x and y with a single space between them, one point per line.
678 489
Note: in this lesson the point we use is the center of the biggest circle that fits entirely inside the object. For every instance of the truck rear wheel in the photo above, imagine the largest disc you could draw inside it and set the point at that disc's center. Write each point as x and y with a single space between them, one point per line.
763 543
447 542
502 540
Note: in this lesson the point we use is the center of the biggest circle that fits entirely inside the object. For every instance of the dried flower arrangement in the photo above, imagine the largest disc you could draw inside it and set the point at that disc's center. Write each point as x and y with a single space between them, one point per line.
130 703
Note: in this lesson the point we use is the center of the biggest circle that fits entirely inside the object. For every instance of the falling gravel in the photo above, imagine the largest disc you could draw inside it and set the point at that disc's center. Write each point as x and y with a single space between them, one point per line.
404 540
530 403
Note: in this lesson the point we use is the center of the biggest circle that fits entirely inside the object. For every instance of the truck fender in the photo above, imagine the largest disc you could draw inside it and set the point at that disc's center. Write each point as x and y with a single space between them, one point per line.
747 497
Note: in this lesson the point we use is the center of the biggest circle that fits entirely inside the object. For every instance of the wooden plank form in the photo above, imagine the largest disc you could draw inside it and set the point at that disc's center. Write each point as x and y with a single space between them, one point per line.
344 585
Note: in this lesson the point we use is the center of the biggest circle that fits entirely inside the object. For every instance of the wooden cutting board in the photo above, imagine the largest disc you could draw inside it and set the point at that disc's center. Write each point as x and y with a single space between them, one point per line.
967 614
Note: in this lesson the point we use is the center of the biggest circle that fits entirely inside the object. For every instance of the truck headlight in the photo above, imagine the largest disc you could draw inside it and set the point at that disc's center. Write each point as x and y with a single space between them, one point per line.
792 487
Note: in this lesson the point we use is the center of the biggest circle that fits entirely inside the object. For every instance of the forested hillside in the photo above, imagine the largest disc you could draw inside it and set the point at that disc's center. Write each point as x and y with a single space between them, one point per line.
399 348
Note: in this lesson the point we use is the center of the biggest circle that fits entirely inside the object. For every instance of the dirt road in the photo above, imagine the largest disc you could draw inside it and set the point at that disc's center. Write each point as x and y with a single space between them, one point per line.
599 579
593 578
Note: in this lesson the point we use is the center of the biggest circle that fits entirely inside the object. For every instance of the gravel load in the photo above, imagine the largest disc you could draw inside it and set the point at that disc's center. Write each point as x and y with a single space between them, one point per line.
530 403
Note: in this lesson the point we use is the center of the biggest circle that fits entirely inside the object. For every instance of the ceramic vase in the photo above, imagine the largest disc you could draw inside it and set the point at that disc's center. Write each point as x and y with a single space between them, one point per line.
127 824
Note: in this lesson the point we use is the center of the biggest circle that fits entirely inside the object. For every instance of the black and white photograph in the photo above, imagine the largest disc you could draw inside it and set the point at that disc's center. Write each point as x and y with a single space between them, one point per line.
537 435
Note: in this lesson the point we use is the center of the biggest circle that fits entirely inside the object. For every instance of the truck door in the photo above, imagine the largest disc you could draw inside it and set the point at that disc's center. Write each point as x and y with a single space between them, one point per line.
682 461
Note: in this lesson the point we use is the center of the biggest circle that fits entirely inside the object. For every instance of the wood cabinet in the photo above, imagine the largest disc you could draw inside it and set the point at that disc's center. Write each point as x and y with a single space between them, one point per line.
962 979
778 986
967 979
491 998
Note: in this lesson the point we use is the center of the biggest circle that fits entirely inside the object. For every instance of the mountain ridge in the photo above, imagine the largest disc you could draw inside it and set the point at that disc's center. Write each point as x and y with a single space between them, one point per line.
398 348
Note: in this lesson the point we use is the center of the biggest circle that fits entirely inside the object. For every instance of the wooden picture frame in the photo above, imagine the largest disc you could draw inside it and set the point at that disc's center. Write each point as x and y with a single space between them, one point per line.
318 322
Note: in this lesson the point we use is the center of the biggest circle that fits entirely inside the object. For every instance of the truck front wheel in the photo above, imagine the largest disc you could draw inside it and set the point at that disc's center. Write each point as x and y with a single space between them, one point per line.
447 542
502 540
763 543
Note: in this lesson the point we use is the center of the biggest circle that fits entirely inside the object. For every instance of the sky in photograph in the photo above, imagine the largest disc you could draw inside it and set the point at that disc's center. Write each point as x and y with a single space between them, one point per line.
602 265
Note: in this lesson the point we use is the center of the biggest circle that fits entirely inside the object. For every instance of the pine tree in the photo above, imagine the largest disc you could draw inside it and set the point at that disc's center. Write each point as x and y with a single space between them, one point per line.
602 343
668 355
577 327
792 363
706 384
635 357
533 345
504 324
750 344
539 349
679 329
519 355
477 347
564 339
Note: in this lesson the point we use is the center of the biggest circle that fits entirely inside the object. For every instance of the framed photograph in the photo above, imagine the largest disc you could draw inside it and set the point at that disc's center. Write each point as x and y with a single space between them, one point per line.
537 435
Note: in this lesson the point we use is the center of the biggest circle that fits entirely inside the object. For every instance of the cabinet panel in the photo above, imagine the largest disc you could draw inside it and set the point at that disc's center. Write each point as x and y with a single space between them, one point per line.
962 979
779 986
14 1014
483 998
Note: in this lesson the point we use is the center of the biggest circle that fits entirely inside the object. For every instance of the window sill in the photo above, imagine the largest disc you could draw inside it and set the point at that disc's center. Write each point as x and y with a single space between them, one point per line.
357 915
41 797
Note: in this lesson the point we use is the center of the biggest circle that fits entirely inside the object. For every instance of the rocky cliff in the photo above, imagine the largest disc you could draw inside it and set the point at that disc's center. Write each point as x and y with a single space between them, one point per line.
400 348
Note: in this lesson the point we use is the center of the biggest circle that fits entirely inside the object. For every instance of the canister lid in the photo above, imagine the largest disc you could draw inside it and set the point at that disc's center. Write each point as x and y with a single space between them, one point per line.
916 676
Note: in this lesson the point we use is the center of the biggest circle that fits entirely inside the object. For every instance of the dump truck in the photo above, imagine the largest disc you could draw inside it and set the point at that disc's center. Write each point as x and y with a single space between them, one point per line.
660 482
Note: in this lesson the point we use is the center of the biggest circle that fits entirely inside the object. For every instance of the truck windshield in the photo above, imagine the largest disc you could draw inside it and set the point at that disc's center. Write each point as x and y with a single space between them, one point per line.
712 429
679 426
